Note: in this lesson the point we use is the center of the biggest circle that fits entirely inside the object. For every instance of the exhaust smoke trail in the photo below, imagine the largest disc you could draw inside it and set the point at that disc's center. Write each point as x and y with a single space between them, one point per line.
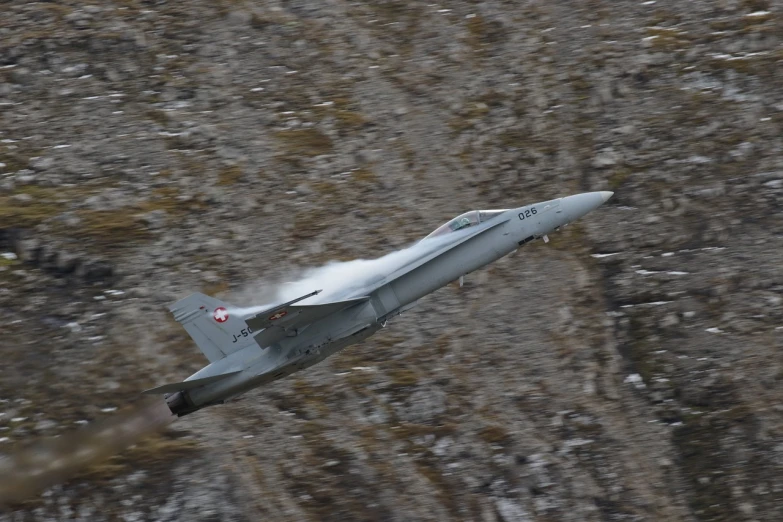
50 461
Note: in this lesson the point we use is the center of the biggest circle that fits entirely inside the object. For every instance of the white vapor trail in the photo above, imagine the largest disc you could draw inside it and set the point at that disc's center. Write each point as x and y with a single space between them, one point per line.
338 279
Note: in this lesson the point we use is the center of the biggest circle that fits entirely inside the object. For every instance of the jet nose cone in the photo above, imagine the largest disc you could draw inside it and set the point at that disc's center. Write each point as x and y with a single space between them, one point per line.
578 205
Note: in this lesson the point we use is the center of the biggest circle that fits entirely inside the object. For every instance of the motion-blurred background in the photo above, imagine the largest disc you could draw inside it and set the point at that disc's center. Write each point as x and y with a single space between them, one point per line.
629 370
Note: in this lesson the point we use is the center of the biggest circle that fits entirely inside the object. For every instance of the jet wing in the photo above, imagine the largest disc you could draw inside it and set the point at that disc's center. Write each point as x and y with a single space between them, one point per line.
187 385
277 322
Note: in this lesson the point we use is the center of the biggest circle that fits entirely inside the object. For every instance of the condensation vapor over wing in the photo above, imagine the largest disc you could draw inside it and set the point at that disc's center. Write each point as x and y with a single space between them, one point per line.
339 278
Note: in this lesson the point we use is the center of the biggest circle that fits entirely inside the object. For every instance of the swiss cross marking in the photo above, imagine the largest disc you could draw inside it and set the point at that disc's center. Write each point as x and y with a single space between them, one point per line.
220 315
278 315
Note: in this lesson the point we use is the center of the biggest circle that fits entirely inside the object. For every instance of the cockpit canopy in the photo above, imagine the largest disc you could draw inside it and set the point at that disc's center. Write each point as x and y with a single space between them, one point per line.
468 219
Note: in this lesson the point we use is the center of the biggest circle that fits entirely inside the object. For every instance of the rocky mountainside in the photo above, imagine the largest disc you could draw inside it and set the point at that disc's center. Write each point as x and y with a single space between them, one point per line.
629 370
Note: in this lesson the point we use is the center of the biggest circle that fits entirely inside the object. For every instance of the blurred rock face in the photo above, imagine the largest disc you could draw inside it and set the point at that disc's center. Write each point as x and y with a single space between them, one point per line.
628 370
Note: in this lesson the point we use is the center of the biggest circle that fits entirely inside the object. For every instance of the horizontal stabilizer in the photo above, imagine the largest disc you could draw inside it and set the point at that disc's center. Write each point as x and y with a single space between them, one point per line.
187 385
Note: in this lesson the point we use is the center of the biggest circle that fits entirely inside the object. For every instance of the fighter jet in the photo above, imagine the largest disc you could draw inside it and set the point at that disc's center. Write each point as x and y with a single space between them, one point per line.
247 350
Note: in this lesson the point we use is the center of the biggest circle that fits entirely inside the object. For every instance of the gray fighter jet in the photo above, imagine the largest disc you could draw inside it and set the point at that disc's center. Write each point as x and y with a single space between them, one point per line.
246 350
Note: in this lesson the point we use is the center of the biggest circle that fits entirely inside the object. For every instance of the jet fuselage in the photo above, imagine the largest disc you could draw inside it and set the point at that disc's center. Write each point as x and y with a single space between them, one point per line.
434 262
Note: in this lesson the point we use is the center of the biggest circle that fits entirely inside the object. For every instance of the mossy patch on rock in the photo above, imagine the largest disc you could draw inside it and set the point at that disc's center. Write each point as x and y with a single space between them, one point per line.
230 175
305 142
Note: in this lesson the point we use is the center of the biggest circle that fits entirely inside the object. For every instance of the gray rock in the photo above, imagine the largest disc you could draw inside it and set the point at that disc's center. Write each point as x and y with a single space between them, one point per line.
69 219
67 263
140 291
511 511
21 76
605 158
25 177
155 219
45 425
42 163
22 198
424 406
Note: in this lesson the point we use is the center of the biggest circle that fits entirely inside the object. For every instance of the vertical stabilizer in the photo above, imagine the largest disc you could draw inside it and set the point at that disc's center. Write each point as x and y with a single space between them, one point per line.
215 330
